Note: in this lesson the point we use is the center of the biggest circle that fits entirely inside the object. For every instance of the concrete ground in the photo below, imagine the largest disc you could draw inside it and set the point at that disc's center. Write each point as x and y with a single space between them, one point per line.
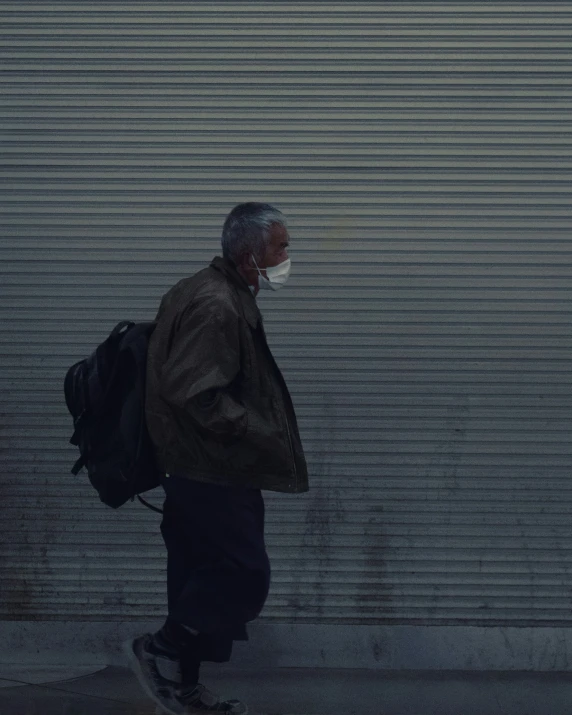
101 690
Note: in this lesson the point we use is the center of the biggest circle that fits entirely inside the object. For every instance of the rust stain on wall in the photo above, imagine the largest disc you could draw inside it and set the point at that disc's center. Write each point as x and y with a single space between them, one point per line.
324 515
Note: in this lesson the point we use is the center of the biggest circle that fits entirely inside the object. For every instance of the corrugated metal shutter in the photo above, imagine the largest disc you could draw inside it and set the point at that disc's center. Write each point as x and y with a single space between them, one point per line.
423 153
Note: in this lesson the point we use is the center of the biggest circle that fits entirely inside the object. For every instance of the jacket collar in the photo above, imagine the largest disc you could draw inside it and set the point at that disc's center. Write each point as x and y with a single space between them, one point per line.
249 306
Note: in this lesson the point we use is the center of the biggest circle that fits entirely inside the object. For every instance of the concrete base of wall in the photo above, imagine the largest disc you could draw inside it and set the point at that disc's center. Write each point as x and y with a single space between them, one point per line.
310 646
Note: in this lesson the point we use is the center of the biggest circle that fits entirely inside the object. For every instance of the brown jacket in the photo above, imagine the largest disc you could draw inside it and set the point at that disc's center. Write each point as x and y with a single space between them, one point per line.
218 409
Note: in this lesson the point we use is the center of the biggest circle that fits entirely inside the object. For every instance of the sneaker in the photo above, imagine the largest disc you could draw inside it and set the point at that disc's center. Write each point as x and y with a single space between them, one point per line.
197 700
158 675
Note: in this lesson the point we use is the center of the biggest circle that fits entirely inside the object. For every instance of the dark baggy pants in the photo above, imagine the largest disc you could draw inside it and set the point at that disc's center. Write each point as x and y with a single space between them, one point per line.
218 572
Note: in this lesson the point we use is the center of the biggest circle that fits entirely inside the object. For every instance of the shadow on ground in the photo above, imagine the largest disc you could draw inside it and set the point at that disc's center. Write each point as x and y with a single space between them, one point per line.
294 691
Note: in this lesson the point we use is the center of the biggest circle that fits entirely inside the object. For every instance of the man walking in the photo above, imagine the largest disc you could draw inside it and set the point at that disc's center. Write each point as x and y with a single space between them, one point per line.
224 428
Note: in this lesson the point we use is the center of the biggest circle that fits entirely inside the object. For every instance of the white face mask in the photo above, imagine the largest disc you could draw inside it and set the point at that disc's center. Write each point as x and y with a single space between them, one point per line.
277 275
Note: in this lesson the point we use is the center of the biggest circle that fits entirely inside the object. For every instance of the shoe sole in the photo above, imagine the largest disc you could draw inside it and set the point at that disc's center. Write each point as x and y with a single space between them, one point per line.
135 666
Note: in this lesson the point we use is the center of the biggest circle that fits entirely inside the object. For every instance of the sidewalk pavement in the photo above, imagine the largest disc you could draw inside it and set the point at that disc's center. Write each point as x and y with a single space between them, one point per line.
102 690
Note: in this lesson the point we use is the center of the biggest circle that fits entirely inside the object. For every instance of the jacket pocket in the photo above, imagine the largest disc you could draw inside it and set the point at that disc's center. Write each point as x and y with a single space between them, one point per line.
265 444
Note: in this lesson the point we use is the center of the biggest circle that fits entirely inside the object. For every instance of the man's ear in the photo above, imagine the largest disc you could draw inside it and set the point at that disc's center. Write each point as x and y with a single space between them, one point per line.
243 260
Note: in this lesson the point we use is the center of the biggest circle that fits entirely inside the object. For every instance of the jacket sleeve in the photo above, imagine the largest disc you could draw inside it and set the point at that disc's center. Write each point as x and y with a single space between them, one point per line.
204 360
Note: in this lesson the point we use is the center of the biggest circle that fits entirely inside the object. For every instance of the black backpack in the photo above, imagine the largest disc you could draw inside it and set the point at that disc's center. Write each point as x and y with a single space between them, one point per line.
105 394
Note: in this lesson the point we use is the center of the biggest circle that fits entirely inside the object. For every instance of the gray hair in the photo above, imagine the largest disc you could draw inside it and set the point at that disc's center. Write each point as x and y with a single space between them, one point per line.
247 230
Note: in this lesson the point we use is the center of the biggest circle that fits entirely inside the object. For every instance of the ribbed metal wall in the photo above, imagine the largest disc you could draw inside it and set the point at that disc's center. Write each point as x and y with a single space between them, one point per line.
422 152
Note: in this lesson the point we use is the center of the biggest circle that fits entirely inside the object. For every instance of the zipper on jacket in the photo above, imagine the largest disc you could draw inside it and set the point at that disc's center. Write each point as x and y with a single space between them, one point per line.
281 379
292 450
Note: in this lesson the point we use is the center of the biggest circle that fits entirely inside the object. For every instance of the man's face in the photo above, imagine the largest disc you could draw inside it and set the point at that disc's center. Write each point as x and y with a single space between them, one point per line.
276 252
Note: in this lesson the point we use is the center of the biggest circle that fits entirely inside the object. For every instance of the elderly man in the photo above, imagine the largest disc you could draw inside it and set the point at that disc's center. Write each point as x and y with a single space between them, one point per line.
224 428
